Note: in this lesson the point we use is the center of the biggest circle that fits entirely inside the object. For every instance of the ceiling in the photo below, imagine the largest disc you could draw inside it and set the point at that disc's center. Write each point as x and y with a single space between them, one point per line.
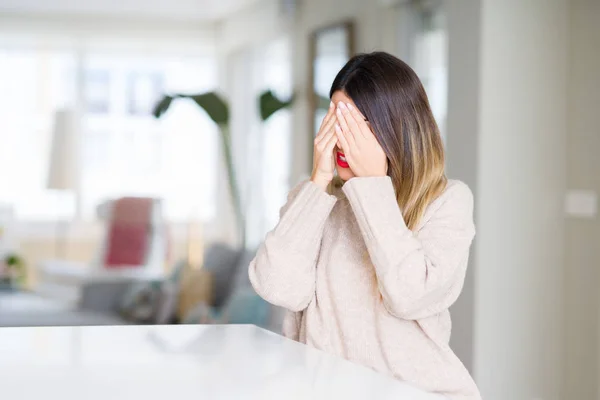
188 10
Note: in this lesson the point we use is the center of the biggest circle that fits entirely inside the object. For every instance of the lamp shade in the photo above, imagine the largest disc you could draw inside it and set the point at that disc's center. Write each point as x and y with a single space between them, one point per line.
63 171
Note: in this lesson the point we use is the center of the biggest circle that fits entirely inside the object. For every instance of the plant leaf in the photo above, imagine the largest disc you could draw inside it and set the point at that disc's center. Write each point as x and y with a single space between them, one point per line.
269 104
162 106
214 106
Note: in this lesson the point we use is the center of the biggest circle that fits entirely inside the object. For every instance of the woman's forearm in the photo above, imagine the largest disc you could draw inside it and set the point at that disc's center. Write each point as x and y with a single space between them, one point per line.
418 274
283 271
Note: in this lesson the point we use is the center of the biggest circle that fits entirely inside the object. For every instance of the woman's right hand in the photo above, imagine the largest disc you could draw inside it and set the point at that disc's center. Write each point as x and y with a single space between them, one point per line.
323 159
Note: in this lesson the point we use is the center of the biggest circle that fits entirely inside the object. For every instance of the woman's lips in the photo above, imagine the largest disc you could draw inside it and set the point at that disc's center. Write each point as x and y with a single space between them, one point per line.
341 160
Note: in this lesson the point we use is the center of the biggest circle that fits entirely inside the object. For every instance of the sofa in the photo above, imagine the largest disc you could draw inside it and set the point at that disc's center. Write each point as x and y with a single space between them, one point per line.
217 293
19 308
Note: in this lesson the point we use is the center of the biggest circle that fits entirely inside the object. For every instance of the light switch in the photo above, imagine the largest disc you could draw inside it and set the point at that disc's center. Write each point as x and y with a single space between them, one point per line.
581 203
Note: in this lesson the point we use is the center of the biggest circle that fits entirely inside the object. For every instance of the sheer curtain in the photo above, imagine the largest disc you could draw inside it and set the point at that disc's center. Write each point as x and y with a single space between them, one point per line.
277 131
125 151
268 145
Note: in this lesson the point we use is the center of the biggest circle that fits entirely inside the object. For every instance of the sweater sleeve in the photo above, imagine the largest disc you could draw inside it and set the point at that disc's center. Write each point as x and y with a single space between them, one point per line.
291 325
422 274
284 269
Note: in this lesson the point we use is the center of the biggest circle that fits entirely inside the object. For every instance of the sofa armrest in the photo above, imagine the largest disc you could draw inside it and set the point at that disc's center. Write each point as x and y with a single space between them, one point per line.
103 296
63 271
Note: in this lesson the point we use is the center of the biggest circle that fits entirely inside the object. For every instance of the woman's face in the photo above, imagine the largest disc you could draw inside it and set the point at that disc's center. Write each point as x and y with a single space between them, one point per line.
342 167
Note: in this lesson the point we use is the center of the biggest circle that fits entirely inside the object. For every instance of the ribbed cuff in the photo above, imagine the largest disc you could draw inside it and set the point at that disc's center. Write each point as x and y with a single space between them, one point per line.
301 226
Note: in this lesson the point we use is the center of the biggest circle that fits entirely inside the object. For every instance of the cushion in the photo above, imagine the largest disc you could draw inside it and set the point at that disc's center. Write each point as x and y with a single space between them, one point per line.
221 261
107 297
166 307
168 300
129 232
241 279
177 272
201 314
246 307
196 287
140 303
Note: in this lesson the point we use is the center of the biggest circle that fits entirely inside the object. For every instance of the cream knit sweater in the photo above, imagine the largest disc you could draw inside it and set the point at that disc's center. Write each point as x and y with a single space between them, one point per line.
359 284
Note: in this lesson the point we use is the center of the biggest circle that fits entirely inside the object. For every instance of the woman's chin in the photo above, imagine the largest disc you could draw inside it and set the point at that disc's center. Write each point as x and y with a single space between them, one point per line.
345 174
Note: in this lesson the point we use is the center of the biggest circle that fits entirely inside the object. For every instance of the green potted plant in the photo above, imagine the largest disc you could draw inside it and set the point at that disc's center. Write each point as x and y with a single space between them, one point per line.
13 271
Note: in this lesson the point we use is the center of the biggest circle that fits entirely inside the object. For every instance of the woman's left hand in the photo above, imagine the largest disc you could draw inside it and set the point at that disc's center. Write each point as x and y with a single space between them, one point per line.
361 148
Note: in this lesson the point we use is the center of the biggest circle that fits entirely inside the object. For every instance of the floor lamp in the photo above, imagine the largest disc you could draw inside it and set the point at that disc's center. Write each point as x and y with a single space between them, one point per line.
63 169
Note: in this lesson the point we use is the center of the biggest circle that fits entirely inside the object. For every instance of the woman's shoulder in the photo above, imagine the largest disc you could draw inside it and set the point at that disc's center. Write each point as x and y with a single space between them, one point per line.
457 191
454 203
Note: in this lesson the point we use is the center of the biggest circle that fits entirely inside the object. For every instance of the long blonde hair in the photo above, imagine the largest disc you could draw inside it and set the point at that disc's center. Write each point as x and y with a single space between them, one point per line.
392 98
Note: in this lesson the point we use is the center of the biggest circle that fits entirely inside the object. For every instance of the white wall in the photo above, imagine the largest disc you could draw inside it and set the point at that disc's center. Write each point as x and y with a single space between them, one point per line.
583 172
254 26
520 115
462 141
174 10
101 32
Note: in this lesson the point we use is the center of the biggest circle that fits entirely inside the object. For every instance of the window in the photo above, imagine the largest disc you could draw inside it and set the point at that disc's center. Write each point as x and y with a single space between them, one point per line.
36 83
125 151
128 152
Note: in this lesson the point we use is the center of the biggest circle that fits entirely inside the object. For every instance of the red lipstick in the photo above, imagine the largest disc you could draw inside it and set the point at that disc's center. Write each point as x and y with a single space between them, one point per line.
341 160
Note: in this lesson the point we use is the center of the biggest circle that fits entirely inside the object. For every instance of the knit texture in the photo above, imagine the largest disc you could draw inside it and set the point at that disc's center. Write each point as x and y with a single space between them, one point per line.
359 284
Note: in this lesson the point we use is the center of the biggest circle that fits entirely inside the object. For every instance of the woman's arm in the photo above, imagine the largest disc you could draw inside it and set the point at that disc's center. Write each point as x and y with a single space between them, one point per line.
291 325
283 271
419 275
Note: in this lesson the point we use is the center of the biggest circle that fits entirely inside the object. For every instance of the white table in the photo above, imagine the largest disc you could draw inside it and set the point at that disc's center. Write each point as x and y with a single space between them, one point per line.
180 362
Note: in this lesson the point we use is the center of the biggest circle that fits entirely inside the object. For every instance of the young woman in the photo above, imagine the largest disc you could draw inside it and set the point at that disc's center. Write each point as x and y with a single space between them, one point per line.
369 266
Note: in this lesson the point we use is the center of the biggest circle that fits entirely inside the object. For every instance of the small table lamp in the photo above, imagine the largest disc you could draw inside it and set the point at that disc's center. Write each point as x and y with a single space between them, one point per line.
63 173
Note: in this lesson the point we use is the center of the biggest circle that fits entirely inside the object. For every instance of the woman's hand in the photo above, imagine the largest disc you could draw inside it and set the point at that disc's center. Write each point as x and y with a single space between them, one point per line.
361 148
323 159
